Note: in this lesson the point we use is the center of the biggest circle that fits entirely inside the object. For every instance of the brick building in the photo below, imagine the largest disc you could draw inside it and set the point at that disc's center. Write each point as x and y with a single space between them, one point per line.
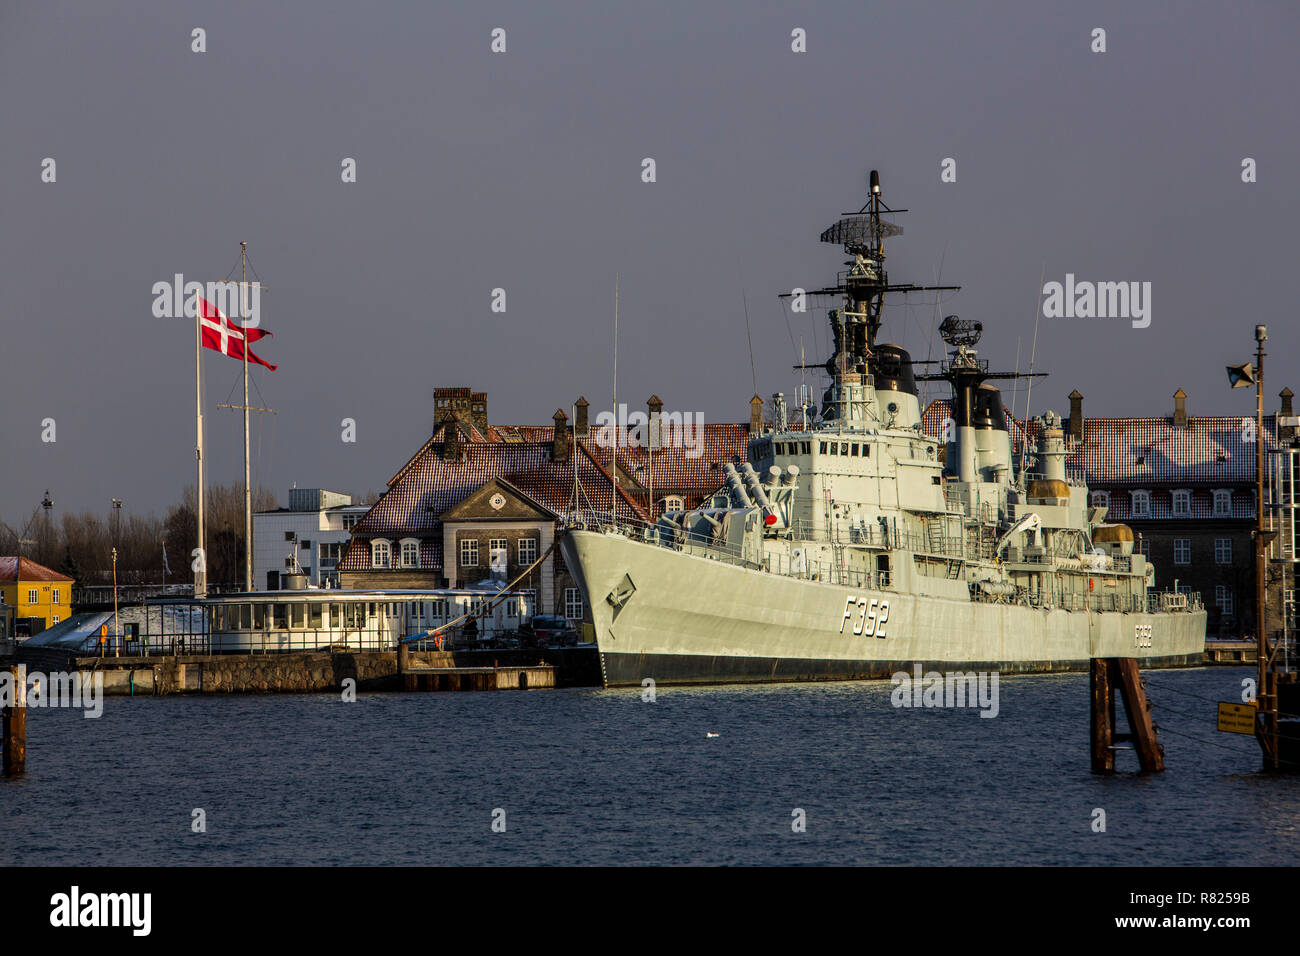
479 501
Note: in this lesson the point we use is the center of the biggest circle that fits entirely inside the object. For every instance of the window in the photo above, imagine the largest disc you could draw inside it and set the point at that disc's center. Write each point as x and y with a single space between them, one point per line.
54 619
528 549
1141 504
306 544
670 503
330 554
1222 503
844 448
54 596
821 447
573 604
410 553
469 553
856 449
349 522
1101 499
498 555
1223 599
33 596
1182 502
381 553
835 448
1182 550
1223 551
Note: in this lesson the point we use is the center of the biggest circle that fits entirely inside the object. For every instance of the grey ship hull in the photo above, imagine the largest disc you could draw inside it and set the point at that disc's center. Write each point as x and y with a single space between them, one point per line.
691 619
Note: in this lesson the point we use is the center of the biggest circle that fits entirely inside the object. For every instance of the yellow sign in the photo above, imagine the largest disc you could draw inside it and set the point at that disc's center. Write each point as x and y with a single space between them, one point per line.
1237 718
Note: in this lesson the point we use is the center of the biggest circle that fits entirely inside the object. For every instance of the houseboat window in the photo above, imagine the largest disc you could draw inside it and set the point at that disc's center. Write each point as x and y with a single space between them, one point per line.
353 614
336 615
299 616
259 616
807 448
823 447
280 616
245 617
313 619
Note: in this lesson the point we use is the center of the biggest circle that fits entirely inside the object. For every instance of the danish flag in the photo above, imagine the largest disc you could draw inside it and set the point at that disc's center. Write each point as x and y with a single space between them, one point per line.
226 337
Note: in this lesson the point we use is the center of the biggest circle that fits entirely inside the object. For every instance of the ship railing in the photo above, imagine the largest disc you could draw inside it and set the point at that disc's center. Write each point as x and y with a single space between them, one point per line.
1165 602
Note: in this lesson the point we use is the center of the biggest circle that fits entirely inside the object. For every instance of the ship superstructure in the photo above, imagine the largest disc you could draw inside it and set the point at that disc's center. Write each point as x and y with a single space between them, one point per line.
859 545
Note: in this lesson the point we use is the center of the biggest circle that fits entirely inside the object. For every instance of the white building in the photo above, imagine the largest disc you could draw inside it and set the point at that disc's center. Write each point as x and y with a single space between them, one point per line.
313 531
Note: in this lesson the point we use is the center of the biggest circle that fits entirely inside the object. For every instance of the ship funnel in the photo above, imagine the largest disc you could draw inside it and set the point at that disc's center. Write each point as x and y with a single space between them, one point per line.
791 474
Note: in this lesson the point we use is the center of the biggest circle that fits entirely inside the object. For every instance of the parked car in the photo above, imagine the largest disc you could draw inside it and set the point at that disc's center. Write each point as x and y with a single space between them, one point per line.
552 630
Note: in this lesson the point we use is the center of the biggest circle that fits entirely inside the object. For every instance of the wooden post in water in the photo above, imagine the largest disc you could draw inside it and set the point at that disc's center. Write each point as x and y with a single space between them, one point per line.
1107 672
13 728
1103 717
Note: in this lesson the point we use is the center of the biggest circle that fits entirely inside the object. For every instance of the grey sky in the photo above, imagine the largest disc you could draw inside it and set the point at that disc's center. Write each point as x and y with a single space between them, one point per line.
522 171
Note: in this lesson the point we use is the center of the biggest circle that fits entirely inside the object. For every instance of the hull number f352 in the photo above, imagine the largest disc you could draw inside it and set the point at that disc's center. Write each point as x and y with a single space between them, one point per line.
868 616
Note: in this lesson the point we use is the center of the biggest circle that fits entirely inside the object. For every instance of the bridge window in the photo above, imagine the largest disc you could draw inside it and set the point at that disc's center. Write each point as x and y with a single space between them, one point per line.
835 448
856 449
822 449
844 448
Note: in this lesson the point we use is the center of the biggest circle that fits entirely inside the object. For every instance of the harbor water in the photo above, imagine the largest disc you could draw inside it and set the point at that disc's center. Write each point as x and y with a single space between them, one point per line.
590 776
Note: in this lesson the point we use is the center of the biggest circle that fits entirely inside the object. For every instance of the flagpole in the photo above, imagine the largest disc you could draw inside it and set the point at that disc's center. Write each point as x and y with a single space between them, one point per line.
201 574
248 493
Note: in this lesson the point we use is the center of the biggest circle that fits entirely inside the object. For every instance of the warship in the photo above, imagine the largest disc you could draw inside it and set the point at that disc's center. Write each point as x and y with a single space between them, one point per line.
854 545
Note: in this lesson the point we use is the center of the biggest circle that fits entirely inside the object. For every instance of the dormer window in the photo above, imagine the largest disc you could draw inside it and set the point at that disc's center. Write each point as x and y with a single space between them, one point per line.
381 553
1182 503
410 553
1101 499
1141 504
1222 503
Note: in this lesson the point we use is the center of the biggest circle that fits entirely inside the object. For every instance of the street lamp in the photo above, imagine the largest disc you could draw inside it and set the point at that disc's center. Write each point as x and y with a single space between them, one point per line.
1243 376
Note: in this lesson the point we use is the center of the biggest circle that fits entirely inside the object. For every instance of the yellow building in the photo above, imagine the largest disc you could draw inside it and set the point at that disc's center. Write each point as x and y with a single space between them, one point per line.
33 590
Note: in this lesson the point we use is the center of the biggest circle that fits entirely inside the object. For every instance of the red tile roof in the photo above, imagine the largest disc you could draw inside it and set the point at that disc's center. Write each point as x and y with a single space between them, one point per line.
1209 451
428 485
25 569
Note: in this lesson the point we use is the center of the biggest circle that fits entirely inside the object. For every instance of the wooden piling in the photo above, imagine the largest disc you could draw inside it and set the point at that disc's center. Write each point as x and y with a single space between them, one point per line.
1107 673
13 729
1103 717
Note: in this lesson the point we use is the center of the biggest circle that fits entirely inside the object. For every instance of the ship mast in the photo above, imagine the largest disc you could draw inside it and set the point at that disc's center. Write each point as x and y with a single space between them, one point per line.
861 293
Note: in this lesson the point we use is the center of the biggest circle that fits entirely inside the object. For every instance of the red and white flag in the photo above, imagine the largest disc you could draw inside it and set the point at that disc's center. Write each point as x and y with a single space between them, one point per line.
224 336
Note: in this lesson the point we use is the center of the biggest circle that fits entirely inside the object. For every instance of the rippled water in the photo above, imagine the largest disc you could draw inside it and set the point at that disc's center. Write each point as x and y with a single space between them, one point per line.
595 776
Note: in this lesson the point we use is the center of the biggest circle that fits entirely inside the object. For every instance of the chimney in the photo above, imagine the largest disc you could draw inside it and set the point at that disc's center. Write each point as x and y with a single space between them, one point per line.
1076 416
478 411
1286 432
1180 409
755 415
560 442
655 438
580 427
450 441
